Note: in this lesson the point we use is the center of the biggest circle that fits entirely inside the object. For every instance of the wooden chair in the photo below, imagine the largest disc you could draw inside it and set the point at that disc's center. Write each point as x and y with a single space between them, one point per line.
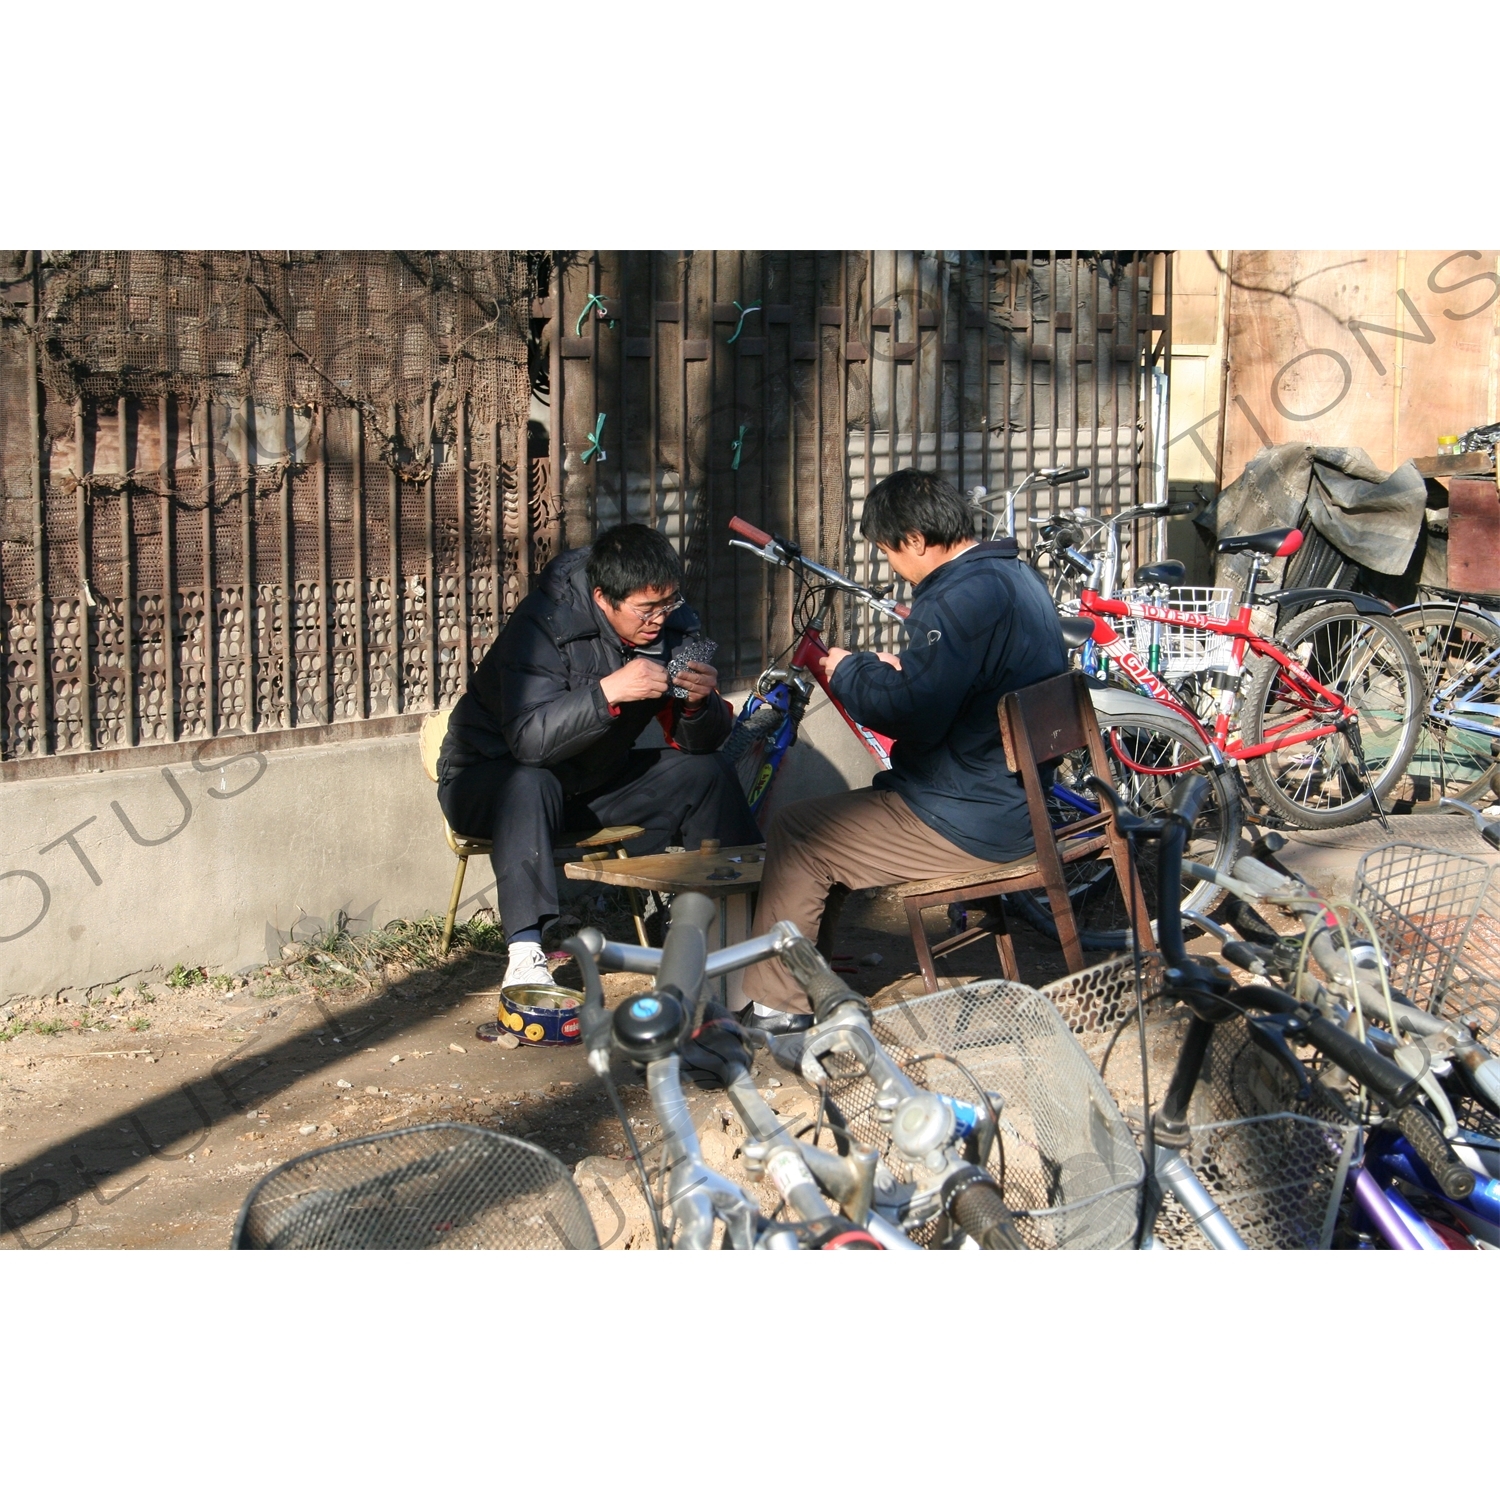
600 843
1039 723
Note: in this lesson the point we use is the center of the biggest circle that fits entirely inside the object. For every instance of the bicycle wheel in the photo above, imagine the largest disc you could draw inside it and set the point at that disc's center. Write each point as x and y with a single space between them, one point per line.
1148 748
1460 654
1370 661
746 749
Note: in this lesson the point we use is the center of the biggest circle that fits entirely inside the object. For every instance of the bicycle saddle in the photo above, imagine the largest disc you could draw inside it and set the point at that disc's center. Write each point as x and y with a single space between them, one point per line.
1280 541
1076 629
1169 572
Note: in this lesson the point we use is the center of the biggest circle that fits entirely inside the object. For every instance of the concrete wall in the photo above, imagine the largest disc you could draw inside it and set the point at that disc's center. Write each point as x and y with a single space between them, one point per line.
107 874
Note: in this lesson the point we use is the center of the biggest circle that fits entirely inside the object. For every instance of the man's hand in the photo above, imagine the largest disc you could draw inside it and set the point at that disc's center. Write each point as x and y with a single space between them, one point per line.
889 660
700 679
639 679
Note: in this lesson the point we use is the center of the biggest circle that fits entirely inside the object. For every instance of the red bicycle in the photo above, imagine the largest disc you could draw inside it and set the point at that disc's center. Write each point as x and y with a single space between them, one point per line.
1327 716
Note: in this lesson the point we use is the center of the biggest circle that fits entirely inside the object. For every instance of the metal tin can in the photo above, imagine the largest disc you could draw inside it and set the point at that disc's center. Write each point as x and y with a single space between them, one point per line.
541 1015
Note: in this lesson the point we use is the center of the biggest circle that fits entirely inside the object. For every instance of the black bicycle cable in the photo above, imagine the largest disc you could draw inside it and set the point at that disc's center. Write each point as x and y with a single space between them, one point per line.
640 1163
1147 1122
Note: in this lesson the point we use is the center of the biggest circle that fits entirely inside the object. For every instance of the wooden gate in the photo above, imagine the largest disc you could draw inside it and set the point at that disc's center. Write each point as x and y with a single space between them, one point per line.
296 495
686 387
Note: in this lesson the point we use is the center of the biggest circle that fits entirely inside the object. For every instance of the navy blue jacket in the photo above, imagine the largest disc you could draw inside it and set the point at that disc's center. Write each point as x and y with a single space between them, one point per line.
981 626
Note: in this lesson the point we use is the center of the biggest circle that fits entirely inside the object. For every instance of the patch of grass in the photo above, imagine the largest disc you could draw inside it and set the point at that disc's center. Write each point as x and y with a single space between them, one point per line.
184 979
223 982
140 1023
49 1028
412 944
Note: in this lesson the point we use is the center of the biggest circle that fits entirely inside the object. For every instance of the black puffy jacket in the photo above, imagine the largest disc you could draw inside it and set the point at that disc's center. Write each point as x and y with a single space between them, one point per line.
535 697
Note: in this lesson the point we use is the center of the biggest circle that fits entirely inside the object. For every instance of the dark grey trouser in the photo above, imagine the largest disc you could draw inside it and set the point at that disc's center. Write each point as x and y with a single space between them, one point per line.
677 798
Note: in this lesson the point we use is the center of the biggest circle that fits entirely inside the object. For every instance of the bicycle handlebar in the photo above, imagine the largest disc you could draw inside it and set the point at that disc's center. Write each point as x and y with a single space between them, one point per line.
1184 802
751 533
785 554
1423 1136
684 953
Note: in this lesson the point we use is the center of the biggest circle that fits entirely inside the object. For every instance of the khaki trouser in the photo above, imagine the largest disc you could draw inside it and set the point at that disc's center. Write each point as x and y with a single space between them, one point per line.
855 839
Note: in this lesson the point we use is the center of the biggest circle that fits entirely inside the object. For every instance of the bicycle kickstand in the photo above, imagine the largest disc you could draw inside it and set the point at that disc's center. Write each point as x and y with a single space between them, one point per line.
1352 734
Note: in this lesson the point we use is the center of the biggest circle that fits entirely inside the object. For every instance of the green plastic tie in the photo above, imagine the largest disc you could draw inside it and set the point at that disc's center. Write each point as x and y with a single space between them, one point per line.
591 448
740 326
738 443
595 302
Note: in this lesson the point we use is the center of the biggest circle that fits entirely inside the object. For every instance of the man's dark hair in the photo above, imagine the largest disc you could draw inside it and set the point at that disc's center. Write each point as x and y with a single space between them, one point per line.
630 557
911 500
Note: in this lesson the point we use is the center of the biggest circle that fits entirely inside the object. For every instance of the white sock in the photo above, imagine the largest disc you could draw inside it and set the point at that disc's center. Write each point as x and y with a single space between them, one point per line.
765 1010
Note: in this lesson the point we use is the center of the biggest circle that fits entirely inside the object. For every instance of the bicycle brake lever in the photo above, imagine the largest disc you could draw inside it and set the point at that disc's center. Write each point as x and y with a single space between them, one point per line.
595 1024
1269 1033
1486 829
1239 888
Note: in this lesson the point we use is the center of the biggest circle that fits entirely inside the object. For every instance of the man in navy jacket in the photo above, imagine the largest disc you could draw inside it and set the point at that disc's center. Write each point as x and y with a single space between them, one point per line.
981 625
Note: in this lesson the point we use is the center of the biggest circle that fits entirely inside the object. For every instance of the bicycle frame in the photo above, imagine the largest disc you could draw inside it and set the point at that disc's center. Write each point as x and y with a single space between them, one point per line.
1449 705
1317 701
809 655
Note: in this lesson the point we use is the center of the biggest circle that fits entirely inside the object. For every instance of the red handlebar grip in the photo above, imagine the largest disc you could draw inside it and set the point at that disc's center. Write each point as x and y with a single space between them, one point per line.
750 533
903 610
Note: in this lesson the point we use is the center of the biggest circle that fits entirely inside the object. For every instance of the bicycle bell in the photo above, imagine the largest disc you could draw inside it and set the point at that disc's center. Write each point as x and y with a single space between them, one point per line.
648 1027
922 1124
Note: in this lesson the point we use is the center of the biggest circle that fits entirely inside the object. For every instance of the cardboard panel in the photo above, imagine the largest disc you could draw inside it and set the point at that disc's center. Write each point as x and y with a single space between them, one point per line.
1474 535
1309 361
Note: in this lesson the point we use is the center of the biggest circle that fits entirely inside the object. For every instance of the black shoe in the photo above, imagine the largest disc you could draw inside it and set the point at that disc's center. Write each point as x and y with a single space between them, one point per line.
783 1023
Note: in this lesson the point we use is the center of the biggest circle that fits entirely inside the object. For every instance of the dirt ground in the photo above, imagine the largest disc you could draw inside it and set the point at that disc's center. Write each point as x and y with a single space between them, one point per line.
144 1118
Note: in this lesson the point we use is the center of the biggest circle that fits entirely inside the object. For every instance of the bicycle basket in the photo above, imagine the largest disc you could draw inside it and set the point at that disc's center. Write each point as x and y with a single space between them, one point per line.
1276 1166
1181 648
1071 1173
426 1187
1438 918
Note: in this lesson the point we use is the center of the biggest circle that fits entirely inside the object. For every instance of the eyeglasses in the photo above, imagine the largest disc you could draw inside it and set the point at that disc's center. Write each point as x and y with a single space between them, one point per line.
657 613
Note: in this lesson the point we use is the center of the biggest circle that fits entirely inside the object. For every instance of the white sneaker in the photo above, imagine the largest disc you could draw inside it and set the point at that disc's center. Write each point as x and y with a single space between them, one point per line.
526 964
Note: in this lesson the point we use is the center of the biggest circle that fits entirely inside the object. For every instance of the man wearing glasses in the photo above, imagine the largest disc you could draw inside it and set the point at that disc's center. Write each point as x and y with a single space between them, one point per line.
544 738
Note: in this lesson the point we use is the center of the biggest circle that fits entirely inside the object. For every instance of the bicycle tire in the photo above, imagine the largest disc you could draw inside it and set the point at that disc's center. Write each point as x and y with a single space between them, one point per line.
1452 644
1371 661
745 749
1149 734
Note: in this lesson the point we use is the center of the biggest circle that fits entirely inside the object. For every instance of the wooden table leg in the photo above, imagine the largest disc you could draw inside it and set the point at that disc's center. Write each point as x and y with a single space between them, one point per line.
637 908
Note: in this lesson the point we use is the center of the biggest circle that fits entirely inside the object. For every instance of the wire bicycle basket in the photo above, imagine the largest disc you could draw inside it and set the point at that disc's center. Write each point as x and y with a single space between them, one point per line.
1275 1165
1437 915
1181 649
1066 1162
425 1187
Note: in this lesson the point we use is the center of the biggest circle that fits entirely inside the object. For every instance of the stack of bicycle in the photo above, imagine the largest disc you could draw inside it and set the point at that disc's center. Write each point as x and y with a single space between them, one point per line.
1336 1110
1346 1096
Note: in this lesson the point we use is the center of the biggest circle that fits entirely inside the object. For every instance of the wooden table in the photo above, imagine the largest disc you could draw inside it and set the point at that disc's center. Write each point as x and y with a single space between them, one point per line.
729 876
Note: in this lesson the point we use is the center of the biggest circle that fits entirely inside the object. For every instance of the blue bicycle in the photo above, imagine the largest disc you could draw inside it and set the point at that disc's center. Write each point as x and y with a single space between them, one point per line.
1458 754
